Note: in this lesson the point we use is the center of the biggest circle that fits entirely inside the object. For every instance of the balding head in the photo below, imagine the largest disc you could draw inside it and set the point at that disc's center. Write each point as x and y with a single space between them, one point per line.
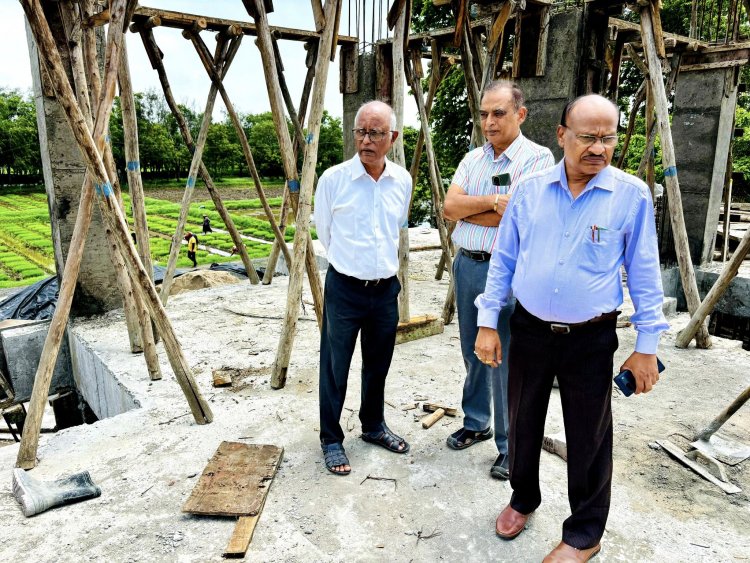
589 102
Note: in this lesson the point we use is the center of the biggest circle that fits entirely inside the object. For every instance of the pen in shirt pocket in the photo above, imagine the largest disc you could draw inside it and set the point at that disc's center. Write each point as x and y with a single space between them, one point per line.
596 235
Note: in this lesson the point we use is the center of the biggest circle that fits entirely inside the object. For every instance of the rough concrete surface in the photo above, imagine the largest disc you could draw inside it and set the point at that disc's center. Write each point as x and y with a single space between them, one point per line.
442 504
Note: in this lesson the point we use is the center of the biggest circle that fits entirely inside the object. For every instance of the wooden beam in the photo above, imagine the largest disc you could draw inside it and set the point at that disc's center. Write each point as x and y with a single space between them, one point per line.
419 327
498 28
674 197
181 20
320 19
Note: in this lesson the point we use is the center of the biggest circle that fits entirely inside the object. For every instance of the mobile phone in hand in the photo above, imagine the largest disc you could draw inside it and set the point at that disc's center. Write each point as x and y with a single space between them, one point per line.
625 380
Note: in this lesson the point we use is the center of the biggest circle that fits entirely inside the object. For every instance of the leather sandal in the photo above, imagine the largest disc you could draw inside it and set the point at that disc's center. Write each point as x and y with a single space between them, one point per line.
386 438
462 439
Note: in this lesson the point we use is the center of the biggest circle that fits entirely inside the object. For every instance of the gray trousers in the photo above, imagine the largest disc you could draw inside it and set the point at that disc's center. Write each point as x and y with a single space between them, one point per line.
485 388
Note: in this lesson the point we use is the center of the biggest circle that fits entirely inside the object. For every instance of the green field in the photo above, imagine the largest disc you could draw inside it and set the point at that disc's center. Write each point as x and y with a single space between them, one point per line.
26 251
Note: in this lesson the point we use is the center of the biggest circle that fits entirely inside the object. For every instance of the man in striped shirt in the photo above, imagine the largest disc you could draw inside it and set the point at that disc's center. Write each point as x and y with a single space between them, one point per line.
476 199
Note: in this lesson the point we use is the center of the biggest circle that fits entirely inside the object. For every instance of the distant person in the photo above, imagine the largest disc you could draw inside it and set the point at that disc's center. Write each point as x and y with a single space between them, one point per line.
476 199
360 206
565 235
206 225
192 242
234 251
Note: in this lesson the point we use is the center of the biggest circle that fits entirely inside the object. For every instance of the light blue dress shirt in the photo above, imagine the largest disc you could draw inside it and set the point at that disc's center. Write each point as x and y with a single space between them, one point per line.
358 219
561 257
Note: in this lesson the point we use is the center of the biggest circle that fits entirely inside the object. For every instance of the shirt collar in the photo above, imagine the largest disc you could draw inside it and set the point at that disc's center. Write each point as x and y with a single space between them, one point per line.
510 152
604 179
358 169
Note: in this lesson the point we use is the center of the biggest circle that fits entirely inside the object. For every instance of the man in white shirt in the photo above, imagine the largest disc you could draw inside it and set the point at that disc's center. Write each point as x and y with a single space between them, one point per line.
360 205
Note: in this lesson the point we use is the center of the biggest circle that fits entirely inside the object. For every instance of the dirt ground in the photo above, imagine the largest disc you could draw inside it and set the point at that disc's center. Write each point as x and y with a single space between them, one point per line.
201 193
440 504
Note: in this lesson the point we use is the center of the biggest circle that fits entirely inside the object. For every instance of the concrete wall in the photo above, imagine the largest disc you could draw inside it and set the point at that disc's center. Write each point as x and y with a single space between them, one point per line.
21 348
701 141
735 301
63 168
104 393
547 95
365 93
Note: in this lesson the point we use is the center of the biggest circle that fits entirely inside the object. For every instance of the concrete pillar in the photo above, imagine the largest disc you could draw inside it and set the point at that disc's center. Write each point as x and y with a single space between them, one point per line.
365 92
702 128
63 167
547 95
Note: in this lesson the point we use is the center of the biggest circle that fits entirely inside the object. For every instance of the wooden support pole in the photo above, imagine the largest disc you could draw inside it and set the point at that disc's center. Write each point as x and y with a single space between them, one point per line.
290 166
225 51
155 57
432 165
638 99
302 243
112 214
727 210
674 197
498 27
649 153
614 79
138 205
472 91
720 286
397 103
312 50
213 73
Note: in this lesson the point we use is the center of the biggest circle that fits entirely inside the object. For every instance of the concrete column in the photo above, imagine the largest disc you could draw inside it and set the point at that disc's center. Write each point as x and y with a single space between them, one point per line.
547 95
365 92
63 167
702 128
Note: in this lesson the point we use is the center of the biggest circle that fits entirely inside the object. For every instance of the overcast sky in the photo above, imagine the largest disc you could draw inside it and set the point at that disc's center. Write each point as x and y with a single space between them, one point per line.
244 82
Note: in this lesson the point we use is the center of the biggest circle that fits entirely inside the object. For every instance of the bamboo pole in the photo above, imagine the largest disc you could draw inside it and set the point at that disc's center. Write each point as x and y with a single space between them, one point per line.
690 287
205 57
138 204
471 90
638 99
720 286
222 59
290 166
649 153
110 210
727 210
397 103
154 55
312 50
302 244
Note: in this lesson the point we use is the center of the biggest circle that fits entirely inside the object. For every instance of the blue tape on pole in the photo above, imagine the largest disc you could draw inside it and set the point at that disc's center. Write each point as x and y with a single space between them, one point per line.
104 189
190 182
106 138
309 138
293 186
671 171
133 165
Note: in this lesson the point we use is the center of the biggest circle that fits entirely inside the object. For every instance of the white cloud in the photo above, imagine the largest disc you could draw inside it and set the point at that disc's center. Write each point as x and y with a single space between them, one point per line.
244 82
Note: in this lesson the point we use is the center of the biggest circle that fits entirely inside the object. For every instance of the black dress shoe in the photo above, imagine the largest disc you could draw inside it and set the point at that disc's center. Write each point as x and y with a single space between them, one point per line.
499 469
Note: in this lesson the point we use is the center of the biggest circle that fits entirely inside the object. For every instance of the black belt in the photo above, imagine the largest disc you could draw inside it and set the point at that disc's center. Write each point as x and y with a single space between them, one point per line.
359 282
478 255
565 328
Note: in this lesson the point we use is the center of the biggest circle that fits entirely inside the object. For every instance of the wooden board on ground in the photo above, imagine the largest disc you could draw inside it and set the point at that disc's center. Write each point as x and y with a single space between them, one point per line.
222 377
419 327
235 481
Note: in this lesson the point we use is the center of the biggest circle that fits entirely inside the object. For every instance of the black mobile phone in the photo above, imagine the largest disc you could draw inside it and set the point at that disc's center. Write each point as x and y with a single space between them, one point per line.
501 179
625 380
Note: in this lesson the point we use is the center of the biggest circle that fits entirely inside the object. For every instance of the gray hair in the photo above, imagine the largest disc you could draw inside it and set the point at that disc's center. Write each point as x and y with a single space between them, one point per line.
515 91
376 103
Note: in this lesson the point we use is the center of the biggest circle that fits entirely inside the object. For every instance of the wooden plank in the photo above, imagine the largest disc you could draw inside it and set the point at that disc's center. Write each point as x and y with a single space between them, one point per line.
320 19
235 481
714 65
222 378
432 407
679 455
541 53
406 332
499 26
181 20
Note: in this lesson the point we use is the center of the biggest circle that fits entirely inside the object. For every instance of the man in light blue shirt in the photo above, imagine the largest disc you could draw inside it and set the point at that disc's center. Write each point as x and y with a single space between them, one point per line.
360 205
476 200
563 239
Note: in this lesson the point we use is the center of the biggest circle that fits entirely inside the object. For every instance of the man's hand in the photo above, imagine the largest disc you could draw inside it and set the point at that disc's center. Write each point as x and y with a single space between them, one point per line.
487 347
643 367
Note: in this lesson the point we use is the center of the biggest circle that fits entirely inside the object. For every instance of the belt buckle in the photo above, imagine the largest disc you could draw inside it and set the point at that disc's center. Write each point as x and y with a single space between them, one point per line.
559 328
372 282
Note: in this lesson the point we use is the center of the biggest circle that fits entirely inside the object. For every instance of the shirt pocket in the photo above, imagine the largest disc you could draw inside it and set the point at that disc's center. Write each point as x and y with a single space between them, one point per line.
601 253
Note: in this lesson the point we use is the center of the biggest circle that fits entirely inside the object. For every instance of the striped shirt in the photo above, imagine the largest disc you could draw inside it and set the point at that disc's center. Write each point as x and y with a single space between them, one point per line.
474 176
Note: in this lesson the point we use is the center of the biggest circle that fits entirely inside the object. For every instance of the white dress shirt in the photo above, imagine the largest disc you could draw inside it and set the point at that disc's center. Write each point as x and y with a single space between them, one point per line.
358 219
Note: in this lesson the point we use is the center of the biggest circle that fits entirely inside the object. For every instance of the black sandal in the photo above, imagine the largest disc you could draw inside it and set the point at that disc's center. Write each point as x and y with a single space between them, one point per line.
390 441
462 439
335 455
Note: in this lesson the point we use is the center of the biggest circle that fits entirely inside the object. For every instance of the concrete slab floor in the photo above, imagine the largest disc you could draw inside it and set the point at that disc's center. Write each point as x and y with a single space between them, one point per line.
148 460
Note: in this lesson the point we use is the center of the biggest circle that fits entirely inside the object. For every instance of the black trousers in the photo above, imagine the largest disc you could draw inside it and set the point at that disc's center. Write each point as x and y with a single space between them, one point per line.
582 361
351 307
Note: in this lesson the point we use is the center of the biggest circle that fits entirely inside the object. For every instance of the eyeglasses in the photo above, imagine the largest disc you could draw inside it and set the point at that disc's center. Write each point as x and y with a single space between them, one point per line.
375 136
608 141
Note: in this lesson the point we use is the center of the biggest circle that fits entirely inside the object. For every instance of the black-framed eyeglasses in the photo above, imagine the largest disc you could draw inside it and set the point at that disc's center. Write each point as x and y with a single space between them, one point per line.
375 136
